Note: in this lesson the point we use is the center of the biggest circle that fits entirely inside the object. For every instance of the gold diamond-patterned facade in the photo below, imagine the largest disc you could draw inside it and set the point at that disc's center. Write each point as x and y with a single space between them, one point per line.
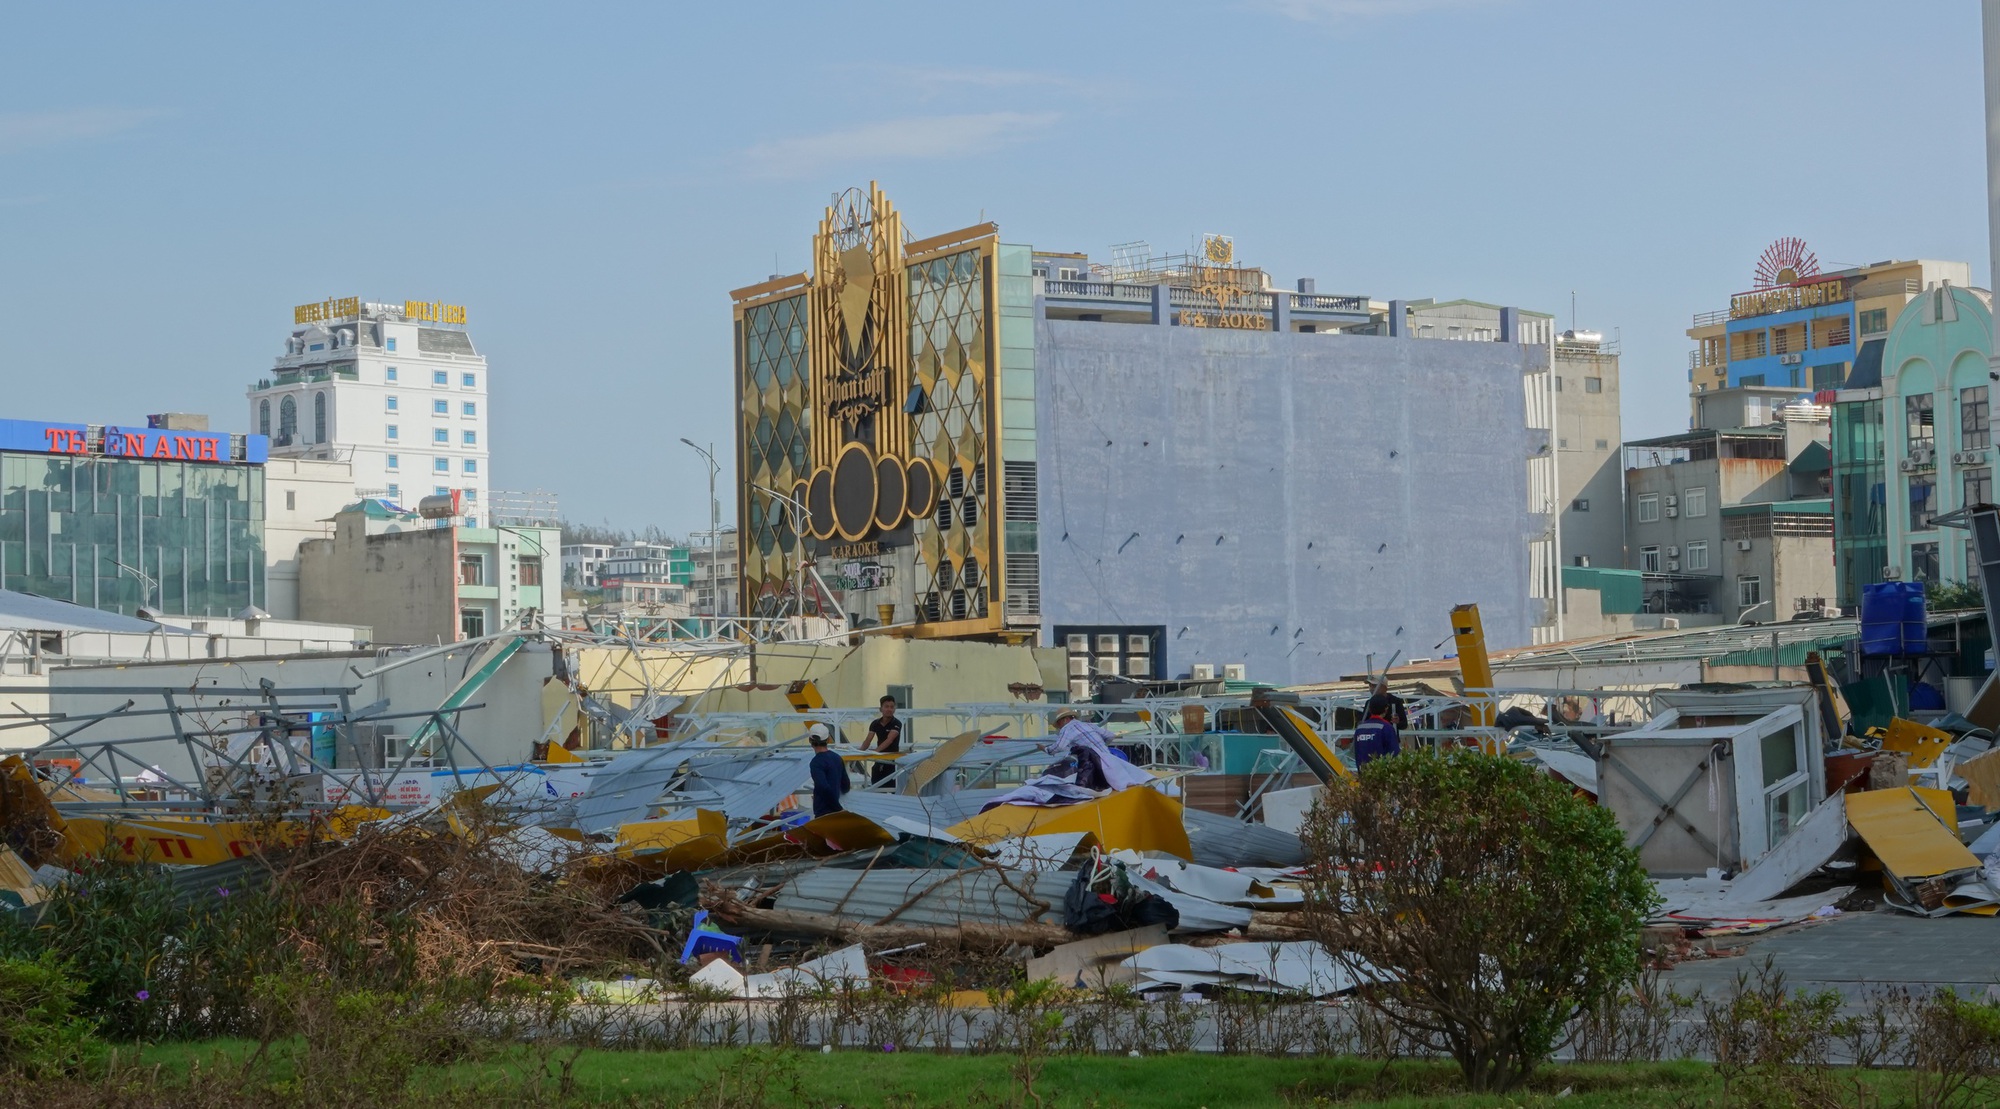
866 391
775 443
952 356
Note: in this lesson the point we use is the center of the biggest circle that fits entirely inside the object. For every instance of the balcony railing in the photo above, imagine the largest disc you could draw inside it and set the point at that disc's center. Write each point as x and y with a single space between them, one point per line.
1180 296
1710 319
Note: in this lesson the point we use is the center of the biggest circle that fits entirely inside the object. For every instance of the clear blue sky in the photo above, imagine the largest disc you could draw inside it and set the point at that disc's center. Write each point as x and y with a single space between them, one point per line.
591 179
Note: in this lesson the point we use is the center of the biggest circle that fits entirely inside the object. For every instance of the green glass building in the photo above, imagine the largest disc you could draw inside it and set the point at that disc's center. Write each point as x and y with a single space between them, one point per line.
120 518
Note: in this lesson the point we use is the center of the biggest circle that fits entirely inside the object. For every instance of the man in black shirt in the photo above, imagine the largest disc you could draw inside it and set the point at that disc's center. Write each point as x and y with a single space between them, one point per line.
885 735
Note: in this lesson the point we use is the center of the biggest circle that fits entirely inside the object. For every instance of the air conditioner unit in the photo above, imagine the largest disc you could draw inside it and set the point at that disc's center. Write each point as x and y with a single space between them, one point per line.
1673 566
1907 465
1202 671
1923 456
1892 573
1673 552
1790 359
1672 511
1672 500
1742 544
1236 672
1975 457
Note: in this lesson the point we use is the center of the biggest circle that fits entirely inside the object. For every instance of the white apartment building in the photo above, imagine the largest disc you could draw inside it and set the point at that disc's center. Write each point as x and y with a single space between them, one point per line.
395 390
301 497
718 599
581 563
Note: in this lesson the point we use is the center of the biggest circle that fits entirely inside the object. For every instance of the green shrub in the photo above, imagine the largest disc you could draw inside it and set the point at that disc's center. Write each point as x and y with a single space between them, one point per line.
41 1034
1494 904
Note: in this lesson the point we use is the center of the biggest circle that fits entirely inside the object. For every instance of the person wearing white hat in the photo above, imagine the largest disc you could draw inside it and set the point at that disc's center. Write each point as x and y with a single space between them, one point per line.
829 773
1089 745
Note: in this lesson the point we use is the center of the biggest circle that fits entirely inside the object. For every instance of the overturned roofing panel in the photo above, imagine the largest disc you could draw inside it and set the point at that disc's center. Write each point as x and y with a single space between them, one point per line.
931 898
1224 841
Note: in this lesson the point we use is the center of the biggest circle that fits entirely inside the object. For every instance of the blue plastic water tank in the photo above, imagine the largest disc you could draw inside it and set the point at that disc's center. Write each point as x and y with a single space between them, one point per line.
1885 609
1916 625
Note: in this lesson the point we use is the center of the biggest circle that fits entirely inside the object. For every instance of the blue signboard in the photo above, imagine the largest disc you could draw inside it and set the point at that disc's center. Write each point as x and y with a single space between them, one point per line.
128 442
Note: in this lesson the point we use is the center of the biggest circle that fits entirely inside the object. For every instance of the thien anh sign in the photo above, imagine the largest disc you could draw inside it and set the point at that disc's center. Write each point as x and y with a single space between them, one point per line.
121 442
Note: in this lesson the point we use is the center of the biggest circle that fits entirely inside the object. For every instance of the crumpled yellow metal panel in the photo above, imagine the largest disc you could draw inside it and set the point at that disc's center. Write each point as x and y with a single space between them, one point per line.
1921 742
1136 819
680 844
1906 833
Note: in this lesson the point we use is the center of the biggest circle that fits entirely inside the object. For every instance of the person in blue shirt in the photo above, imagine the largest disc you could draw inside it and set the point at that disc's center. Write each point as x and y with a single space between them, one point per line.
1376 737
829 773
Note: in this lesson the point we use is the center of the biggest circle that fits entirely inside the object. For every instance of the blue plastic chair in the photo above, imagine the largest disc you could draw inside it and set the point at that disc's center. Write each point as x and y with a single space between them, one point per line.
702 940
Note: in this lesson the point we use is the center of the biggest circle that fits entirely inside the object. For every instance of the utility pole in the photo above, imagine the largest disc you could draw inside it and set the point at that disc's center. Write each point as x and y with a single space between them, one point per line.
714 528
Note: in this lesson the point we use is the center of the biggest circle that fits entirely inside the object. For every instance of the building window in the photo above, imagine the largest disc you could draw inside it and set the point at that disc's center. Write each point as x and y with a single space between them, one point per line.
1924 562
1918 411
470 381
1975 419
1752 379
395 491
1697 555
389 404
389 373
471 438
319 417
1593 385
1558 383
1562 444
288 419
1875 321
1978 486
472 569
471 623
1695 501
1749 592
470 409
440 435
391 432
531 570
1923 502
1829 376
1603 444
439 377
263 417
392 462
390 343
441 465
1579 505
471 496
291 500
441 408
1649 508
471 466
1649 559
441 490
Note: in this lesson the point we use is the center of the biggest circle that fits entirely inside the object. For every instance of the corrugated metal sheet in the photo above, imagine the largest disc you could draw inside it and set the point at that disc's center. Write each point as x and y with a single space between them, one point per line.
743 783
939 812
1222 841
934 898
626 787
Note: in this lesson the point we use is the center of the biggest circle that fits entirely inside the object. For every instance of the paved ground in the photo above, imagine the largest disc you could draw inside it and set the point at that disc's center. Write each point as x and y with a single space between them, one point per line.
1855 951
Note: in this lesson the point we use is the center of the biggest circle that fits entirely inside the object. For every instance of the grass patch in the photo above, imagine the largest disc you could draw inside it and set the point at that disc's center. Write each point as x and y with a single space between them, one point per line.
910 1080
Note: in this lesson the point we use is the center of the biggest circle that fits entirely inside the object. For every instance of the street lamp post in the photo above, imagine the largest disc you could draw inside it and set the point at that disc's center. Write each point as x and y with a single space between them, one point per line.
801 520
714 528
1751 609
151 584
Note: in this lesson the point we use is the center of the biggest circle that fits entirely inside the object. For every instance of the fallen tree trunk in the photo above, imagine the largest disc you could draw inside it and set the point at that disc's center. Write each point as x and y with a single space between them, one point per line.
979 935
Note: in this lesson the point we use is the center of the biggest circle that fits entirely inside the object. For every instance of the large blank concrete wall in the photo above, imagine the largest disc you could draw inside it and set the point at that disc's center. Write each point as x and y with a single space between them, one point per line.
1290 501
404 584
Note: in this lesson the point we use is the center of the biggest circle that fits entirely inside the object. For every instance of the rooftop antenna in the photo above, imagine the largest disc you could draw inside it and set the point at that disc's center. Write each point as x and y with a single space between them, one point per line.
1572 309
